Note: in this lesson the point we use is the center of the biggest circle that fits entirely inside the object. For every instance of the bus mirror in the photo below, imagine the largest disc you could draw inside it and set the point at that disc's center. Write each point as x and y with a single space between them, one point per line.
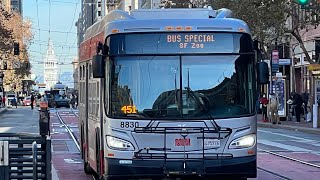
262 73
98 66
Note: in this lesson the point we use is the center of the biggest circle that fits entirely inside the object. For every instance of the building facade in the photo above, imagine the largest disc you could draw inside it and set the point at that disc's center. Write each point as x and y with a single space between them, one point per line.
91 12
75 68
50 67
16 5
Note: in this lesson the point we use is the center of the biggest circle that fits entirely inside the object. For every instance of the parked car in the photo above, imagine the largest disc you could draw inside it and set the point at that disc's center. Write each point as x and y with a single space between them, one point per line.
10 97
27 101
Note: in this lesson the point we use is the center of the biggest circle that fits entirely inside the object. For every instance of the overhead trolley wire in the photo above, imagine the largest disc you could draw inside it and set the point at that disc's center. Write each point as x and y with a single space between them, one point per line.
49 17
38 23
72 25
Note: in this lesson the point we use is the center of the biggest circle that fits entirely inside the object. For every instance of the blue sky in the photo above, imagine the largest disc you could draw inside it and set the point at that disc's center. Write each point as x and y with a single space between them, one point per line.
63 15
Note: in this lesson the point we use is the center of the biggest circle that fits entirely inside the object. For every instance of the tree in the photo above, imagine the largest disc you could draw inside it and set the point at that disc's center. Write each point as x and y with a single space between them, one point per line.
269 20
272 20
266 18
13 29
303 19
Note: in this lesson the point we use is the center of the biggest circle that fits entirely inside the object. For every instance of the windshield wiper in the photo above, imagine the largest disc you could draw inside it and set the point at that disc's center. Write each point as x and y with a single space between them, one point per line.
189 90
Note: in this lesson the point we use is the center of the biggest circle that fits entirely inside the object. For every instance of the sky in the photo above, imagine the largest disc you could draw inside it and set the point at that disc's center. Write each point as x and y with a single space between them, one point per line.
58 16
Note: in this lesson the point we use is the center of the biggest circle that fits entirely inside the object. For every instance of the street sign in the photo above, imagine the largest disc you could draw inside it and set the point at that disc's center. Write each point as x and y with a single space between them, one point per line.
41 85
283 62
314 67
275 62
16 64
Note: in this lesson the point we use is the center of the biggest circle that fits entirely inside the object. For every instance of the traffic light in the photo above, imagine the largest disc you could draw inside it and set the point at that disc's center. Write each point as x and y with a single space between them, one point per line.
27 65
16 50
5 66
302 2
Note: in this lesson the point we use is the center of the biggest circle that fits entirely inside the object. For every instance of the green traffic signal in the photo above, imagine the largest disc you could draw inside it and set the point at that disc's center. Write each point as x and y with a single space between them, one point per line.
302 2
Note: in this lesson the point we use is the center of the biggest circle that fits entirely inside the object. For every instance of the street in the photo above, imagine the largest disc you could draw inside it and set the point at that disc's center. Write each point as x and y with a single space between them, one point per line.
297 145
300 146
20 120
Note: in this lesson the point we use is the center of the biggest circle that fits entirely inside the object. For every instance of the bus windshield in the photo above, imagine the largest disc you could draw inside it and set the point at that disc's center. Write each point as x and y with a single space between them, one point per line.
189 85
159 86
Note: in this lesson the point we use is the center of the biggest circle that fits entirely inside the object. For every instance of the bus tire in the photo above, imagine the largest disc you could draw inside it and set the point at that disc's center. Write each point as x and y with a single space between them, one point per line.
99 175
81 141
116 178
87 168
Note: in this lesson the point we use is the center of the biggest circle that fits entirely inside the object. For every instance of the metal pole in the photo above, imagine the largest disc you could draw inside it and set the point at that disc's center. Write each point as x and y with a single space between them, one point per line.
34 162
48 158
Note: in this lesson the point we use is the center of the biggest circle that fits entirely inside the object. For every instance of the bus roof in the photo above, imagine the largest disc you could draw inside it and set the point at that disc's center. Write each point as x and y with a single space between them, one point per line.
59 86
158 20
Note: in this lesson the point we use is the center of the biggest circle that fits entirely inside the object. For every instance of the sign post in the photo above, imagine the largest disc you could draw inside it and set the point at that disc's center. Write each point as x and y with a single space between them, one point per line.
275 62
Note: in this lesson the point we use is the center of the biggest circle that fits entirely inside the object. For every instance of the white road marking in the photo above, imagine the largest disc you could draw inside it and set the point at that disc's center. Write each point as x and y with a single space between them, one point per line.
283 146
284 135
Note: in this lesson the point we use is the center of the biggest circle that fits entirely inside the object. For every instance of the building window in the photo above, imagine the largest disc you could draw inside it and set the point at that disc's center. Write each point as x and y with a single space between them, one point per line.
90 70
80 72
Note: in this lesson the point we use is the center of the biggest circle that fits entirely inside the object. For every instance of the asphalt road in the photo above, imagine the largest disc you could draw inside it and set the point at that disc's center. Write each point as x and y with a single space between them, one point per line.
20 120
296 145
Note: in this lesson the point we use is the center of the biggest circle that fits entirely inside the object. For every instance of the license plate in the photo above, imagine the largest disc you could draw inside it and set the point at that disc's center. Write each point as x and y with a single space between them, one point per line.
211 143
182 142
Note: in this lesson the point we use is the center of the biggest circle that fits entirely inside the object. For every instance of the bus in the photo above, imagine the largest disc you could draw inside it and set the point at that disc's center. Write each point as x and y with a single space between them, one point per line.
61 88
169 92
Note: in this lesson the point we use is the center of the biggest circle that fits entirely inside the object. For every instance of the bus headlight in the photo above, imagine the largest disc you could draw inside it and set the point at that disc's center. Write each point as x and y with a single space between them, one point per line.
116 143
243 142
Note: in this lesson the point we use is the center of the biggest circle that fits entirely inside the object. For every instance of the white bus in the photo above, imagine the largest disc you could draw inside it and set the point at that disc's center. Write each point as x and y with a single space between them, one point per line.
169 92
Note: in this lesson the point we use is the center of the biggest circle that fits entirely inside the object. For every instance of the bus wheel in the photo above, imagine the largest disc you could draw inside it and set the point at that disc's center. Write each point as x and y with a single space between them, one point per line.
87 169
99 173
117 178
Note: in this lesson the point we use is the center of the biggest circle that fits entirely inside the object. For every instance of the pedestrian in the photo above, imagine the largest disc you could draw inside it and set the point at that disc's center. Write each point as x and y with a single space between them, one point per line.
14 102
264 103
3 101
274 107
297 103
32 100
77 101
305 100
73 102
0 101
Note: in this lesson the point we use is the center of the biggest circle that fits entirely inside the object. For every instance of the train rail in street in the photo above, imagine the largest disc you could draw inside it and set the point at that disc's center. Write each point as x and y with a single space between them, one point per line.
69 130
278 175
290 158
287 154
66 149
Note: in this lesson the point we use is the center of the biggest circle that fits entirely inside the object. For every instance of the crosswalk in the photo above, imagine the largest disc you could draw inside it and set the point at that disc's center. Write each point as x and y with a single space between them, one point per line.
275 141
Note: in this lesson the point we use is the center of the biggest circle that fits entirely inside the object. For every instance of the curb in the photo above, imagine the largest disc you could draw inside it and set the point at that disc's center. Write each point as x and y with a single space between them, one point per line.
3 110
295 128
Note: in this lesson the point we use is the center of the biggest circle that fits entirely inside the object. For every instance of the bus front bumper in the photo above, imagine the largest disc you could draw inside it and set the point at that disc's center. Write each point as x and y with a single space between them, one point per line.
236 167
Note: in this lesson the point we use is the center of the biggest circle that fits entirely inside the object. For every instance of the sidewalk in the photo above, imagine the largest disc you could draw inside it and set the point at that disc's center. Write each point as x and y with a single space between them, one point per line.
292 125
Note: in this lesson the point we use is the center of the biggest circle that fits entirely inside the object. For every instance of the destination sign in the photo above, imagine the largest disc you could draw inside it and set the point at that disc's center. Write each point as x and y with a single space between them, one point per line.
176 43
190 40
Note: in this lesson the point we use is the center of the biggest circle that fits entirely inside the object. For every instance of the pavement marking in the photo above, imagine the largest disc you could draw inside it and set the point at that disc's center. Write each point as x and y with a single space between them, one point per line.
54 173
72 161
283 146
13 115
304 139
4 129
